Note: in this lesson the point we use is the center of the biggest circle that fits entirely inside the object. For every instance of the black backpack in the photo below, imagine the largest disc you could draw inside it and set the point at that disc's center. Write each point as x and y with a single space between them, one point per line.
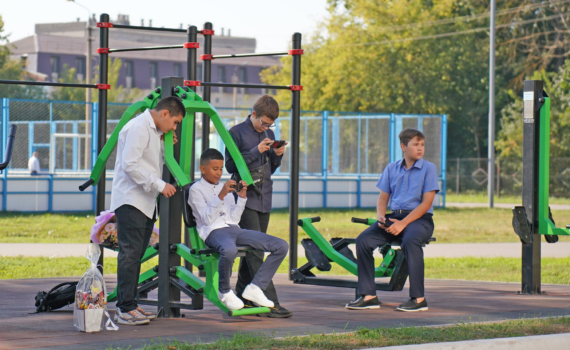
59 296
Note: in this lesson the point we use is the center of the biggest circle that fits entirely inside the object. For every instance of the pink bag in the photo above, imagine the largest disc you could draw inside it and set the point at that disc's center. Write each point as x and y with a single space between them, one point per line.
104 231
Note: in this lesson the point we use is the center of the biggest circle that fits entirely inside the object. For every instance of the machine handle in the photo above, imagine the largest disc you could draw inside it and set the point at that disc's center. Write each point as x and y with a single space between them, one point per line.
313 220
360 221
86 184
256 190
9 147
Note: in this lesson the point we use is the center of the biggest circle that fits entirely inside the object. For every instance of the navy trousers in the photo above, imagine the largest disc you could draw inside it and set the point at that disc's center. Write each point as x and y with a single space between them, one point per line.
410 240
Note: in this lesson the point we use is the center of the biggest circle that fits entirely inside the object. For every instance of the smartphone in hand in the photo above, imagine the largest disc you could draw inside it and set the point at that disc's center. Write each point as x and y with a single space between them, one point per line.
278 143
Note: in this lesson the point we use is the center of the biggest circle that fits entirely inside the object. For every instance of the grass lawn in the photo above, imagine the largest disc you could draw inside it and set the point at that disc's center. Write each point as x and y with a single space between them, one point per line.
367 338
452 225
554 270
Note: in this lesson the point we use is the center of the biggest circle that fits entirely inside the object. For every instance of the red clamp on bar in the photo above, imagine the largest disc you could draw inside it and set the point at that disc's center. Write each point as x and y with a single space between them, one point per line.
296 87
206 57
103 50
207 32
191 45
296 52
103 86
192 83
104 25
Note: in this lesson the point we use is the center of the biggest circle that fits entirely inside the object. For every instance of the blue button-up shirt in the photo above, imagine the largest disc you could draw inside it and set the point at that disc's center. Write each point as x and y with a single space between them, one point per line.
247 139
406 187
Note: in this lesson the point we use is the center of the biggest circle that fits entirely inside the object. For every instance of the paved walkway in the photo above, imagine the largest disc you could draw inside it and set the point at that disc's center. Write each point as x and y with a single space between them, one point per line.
316 310
434 250
501 205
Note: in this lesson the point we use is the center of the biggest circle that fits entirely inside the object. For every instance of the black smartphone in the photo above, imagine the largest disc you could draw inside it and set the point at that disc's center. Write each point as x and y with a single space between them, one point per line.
278 143
386 223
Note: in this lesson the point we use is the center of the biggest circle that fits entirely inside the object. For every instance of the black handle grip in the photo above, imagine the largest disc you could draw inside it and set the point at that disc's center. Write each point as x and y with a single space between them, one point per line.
360 221
86 184
255 189
12 132
316 219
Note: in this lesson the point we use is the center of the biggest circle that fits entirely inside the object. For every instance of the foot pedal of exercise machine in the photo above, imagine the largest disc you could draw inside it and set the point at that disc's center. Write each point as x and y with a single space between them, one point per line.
521 225
315 256
344 250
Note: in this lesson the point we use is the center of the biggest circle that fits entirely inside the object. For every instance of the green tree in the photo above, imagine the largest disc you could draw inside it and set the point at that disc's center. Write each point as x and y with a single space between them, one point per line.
117 93
11 69
419 57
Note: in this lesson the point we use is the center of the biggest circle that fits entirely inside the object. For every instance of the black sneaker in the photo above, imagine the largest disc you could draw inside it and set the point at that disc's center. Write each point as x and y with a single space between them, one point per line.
360 304
277 312
412 306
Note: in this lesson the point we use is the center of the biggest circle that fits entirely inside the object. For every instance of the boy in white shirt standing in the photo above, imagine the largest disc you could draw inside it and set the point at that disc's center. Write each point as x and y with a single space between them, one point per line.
217 213
136 184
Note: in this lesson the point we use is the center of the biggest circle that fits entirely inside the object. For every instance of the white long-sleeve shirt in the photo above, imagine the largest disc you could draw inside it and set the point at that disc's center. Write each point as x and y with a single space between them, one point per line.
34 164
138 168
210 211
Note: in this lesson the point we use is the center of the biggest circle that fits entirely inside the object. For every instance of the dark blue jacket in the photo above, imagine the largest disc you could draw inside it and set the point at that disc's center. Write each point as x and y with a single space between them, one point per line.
247 139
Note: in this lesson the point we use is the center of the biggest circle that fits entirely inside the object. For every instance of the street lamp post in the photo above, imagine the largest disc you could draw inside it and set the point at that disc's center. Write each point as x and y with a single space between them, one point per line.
88 106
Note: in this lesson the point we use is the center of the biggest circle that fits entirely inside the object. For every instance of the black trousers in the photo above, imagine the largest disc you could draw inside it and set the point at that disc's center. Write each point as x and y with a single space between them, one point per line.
410 240
133 232
251 263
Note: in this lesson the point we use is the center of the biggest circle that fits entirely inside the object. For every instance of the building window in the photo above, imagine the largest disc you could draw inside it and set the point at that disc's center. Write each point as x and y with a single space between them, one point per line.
222 77
55 68
153 75
80 68
242 78
130 74
199 73
178 70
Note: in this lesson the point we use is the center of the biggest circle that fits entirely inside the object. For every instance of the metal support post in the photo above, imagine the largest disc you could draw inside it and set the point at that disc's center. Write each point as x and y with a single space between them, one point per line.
170 226
294 168
531 251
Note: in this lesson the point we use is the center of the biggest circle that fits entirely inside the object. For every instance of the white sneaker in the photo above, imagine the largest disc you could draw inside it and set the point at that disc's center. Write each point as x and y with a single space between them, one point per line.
254 294
231 301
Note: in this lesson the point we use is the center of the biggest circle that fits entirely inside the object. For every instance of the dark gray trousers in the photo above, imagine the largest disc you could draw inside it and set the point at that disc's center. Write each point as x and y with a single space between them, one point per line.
133 232
410 240
225 241
251 263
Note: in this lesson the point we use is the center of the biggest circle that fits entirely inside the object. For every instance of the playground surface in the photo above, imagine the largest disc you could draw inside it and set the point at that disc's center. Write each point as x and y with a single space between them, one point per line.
316 310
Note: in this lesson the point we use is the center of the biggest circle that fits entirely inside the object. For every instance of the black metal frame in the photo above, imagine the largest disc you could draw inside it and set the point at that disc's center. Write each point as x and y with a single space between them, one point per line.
531 257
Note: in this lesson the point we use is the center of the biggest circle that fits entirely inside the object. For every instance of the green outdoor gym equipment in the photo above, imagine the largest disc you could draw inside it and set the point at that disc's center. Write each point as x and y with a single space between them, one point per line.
205 259
320 253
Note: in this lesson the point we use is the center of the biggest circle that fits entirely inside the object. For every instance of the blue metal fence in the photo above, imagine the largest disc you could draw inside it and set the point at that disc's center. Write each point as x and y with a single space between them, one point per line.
333 144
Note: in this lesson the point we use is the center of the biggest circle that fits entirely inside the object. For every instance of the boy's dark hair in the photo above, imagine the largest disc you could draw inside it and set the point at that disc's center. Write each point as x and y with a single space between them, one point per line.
173 104
210 154
266 106
408 134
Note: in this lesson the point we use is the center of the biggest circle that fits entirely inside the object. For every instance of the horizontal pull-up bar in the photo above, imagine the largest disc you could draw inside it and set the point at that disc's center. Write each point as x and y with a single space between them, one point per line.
290 52
250 55
176 30
45 83
148 48
253 86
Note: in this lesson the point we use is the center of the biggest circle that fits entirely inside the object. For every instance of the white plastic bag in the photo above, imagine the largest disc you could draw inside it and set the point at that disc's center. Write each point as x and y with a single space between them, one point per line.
90 307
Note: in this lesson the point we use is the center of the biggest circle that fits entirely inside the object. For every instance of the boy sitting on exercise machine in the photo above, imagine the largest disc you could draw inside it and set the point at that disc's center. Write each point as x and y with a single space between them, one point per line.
412 184
218 212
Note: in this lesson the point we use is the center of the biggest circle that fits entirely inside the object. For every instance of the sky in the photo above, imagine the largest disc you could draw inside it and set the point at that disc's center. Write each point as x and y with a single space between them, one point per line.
271 22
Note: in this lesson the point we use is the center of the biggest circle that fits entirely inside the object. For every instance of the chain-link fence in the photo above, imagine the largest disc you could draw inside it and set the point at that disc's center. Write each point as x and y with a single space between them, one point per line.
331 143
469 176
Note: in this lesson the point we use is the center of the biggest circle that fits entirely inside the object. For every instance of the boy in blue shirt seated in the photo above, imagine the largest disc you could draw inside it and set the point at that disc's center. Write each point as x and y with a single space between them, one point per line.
412 184
218 212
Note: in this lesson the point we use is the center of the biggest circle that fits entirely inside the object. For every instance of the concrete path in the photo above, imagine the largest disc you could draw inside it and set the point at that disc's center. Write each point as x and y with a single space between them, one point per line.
550 341
501 205
434 250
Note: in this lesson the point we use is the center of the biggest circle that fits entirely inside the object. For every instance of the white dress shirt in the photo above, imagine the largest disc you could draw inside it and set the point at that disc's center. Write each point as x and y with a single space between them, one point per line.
34 164
138 168
210 211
